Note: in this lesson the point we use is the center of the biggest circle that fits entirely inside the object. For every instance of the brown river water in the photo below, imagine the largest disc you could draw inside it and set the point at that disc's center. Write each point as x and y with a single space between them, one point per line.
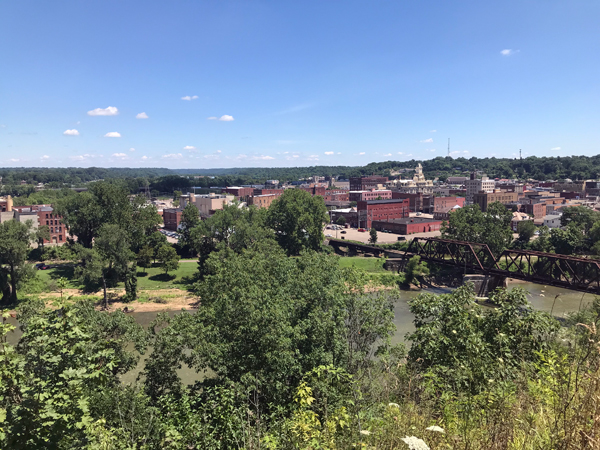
543 298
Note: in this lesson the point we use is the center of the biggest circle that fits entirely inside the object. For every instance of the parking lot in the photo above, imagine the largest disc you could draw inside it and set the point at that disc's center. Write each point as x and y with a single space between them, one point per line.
382 238
172 237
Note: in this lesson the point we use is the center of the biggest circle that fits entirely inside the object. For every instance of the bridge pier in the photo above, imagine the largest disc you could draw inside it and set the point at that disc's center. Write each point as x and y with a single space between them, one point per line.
485 284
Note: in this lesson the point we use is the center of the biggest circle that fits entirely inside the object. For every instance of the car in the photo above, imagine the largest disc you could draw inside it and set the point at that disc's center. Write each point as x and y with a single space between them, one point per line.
362 230
42 266
329 227
343 232
401 238
328 235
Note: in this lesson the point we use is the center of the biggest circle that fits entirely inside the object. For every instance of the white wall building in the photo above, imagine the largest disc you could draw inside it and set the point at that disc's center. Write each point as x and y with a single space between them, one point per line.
552 220
477 185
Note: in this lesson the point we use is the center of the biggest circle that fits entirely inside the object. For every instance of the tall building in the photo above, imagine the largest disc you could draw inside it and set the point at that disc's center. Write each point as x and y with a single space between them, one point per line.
476 185
367 183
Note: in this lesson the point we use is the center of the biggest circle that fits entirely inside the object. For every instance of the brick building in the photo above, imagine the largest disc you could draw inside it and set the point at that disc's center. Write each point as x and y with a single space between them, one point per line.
372 194
484 199
6 204
440 203
241 193
336 196
58 231
366 183
382 210
267 192
408 225
418 202
263 201
172 218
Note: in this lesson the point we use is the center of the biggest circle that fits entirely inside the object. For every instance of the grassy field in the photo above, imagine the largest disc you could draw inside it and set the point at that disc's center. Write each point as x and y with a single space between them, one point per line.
374 265
155 278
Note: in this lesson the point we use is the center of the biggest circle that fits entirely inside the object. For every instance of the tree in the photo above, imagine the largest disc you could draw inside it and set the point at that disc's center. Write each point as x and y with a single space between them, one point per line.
168 258
526 229
190 219
145 221
373 236
15 241
107 262
341 220
414 270
461 345
144 257
42 234
298 219
491 227
156 240
581 217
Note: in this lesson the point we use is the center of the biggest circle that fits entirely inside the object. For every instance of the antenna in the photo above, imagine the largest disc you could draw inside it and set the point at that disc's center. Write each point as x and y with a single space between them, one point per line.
520 157
448 146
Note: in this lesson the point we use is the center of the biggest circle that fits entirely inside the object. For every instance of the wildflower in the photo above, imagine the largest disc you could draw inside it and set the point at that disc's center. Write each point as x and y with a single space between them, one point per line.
454 331
414 443
490 380
365 432
501 360
435 428
395 405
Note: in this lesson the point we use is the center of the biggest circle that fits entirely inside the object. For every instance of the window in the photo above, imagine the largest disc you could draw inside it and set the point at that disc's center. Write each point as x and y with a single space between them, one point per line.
47 223
46 216
51 229
60 238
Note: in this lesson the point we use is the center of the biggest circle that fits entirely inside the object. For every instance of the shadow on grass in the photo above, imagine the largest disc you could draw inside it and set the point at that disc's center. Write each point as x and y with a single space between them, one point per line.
63 270
162 277
187 282
141 274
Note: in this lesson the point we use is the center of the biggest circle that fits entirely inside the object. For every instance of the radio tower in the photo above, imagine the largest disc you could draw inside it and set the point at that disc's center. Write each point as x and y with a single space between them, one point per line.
448 146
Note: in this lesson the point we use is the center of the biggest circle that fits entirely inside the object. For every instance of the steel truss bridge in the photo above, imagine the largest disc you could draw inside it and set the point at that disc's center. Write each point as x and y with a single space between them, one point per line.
579 274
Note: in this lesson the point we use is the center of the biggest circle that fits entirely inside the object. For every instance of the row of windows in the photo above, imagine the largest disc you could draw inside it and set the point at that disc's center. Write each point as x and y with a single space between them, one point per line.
55 222
51 216
58 230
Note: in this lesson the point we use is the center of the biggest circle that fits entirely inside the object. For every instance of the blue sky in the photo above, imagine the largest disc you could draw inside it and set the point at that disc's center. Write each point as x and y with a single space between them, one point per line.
281 83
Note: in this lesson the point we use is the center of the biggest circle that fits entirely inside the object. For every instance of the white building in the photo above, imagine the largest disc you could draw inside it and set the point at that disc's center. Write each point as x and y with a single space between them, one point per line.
206 203
477 185
552 220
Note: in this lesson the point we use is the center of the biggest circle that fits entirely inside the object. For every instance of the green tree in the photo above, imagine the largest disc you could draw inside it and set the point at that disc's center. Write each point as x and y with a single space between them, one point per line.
107 262
414 270
15 242
581 217
341 220
462 346
298 219
144 257
168 258
526 230
471 225
144 222
566 241
157 240
190 219
373 236
42 234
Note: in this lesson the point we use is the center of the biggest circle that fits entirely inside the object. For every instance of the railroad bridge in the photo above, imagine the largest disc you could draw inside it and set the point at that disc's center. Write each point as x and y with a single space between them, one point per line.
568 272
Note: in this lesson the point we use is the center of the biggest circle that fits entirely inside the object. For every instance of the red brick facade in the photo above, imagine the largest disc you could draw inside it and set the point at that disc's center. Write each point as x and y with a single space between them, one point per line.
172 218
382 210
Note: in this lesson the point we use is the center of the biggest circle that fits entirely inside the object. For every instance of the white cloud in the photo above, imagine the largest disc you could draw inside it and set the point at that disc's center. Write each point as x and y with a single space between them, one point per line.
189 97
555 148
263 157
132 149
14 159
144 158
388 154
427 141
433 131
112 134
432 149
142 115
190 148
45 157
465 151
339 153
400 153
329 153
218 151
110 111
295 156
77 158
120 155
361 153
224 118
71 132
173 156
506 52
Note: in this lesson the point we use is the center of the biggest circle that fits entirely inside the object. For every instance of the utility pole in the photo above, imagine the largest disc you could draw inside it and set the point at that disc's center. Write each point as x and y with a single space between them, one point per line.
520 157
